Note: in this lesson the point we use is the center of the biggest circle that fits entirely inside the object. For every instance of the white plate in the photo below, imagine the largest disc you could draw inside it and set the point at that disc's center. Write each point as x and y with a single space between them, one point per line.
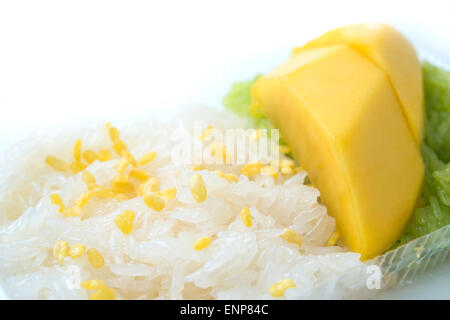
66 61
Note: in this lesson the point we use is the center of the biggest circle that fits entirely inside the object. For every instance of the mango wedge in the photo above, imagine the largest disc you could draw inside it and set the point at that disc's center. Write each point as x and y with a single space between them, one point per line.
389 50
343 120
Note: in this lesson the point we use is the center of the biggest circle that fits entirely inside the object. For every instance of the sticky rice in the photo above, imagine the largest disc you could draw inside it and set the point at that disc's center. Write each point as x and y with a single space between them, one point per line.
267 234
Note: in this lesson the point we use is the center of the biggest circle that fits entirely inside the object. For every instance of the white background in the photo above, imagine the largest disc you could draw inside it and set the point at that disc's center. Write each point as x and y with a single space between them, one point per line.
64 61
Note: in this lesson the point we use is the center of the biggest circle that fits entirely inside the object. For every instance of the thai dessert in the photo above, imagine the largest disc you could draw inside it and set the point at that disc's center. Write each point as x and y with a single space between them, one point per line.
335 162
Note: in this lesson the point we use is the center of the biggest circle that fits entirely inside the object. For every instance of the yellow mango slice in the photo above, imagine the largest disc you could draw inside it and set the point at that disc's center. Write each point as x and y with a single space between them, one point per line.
391 52
344 123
